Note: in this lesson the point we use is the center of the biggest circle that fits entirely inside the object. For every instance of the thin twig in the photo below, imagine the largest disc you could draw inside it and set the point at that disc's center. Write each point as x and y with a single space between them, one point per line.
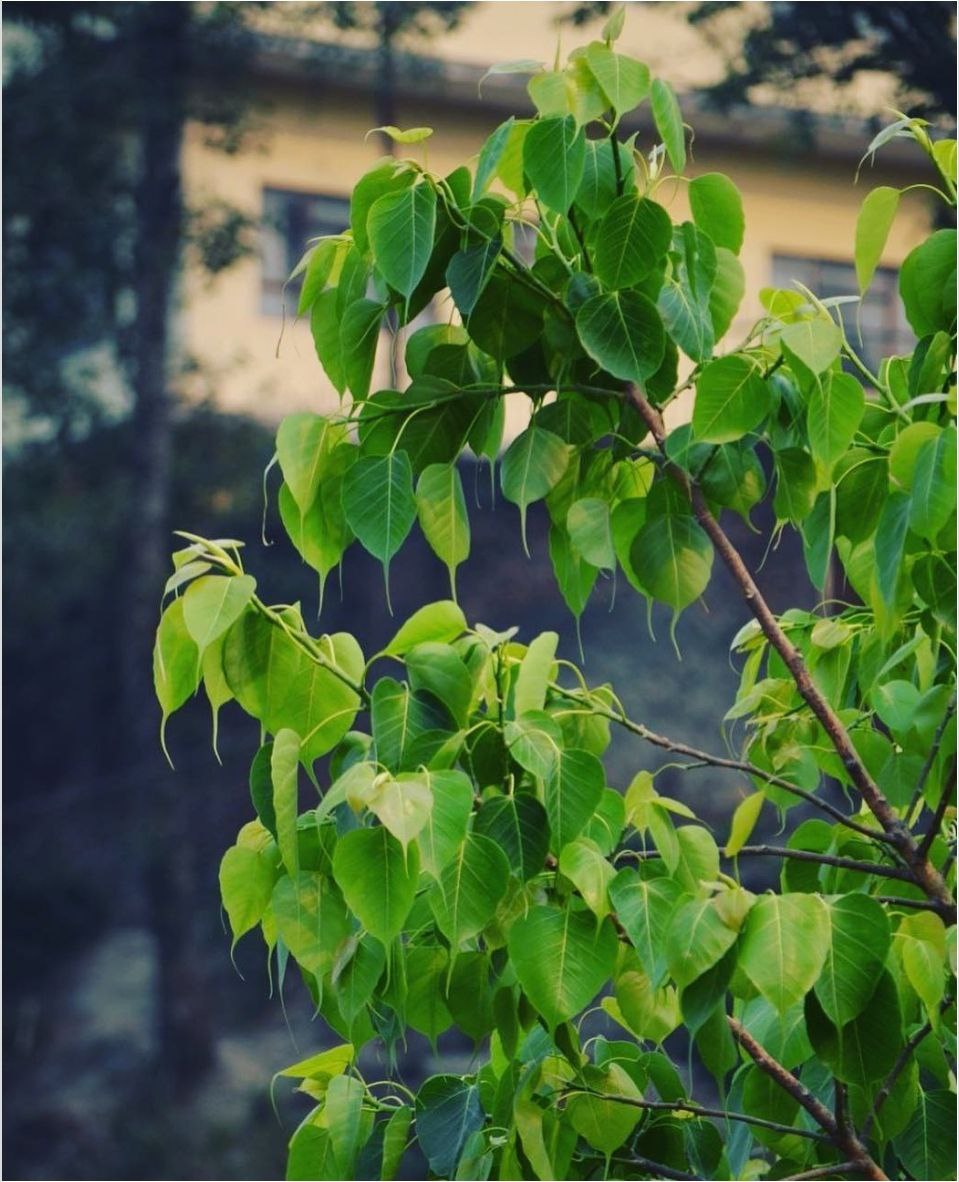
656 1168
924 873
914 904
935 826
845 1139
774 851
843 1167
697 1110
931 757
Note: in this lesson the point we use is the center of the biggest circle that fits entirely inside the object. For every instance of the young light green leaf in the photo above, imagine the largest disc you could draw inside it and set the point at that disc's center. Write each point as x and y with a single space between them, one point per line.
669 122
875 220
624 80
377 879
402 804
414 135
246 884
561 959
344 1112
743 823
304 442
284 764
784 946
582 862
589 529
933 485
817 343
696 939
311 919
212 603
836 406
439 622
717 209
446 825
176 663
672 558
395 1141
535 674
443 517
644 907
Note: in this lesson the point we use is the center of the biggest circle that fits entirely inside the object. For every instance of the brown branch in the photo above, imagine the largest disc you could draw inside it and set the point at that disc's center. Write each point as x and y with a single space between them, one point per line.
843 1138
935 826
737 765
914 904
775 851
931 756
843 1167
697 1110
656 1168
924 873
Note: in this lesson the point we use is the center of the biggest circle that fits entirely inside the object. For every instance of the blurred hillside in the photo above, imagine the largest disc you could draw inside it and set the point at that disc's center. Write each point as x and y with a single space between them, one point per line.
144 257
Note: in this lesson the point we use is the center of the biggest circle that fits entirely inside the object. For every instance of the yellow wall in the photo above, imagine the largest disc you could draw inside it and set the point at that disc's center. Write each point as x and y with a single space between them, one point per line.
798 206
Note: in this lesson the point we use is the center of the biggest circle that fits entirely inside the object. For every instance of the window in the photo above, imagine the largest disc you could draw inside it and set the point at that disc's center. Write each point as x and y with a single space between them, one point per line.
289 220
881 320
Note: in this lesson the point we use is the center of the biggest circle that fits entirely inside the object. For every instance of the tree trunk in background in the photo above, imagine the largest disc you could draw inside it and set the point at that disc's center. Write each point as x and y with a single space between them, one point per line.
161 51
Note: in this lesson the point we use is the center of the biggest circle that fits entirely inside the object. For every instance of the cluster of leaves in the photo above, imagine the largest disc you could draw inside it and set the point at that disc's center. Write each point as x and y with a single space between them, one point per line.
467 865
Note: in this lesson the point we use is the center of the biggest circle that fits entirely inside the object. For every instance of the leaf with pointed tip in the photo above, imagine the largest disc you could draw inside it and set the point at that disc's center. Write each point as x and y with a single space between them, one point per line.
784 945
535 674
533 464
933 485
212 603
696 939
401 226
311 919
400 717
927 1145
359 334
402 804
464 898
726 295
672 558
562 959
554 153
446 825
176 662
817 343
284 764
731 399
876 215
575 577
623 332
858 945
717 209
624 80
632 241
448 1111
344 1111
519 826
304 443
865 1048
469 271
644 908
572 789
377 879
582 862
379 504
836 406
246 884
321 534
443 518
669 122
441 622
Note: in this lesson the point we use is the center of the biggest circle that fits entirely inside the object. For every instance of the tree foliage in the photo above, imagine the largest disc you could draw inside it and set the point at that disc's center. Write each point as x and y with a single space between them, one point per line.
464 863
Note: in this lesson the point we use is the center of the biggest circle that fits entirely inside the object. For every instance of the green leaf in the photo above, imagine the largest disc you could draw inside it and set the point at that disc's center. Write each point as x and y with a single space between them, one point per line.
386 176
310 1153
644 907
470 886
574 575
784 946
927 1145
554 153
492 152
717 209
344 1112
519 826
377 879
865 1048
632 241
875 220
731 399
415 135
605 1124
212 603
933 486
440 669
696 939
562 959
304 443
469 271
322 1066
743 823
795 485
448 1110
424 1007
246 884
284 764
922 942
573 790
441 622
400 718
379 504
535 673
359 335
321 534
927 284
726 295
281 685
624 80
590 532
443 518
669 122
857 952
354 980
445 828
582 862
401 226
325 327
622 332
597 190
890 544
507 317
836 407
176 662
402 804
532 465
395 1140
817 343
310 919
672 558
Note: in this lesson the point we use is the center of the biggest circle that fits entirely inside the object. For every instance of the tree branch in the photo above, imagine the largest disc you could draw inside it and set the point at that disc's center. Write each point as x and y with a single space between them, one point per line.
931 756
656 1168
738 765
936 824
924 873
843 1167
775 851
844 1139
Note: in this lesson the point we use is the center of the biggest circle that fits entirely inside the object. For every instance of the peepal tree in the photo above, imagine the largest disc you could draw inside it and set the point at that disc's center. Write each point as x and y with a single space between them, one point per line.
463 862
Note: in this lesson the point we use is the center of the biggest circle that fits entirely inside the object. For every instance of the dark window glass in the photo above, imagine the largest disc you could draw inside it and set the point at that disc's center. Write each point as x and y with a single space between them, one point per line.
881 328
290 219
